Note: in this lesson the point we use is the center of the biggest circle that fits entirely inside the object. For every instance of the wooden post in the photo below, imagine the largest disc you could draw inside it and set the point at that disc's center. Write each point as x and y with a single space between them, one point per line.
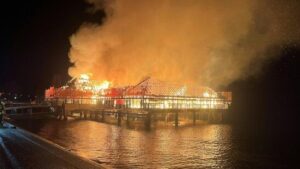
194 118
176 119
119 118
96 115
208 116
211 117
148 121
84 114
127 119
60 112
103 116
222 116
154 117
203 115
64 111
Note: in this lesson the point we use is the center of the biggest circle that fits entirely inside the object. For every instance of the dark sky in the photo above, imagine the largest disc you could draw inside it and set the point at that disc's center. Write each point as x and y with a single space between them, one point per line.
34 42
271 98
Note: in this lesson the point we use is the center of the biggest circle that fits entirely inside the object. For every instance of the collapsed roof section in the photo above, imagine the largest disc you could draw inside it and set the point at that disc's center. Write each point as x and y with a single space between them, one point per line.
150 86
147 87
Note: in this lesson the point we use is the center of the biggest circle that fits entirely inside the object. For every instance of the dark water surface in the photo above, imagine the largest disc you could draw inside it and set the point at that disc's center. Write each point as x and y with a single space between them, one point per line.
201 146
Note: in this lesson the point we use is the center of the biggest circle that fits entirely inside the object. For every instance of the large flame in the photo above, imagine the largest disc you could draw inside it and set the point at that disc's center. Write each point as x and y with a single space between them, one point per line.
104 85
84 78
84 82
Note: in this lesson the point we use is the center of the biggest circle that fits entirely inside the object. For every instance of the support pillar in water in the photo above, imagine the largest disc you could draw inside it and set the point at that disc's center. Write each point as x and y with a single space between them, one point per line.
119 118
127 119
64 112
154 117
222 116
148 120
65 115
209 116
194 118
96 115
103 116
176 119
212 116
60 113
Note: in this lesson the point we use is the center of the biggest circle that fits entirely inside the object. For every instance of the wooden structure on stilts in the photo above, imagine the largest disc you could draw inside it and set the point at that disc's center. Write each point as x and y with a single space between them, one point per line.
149 101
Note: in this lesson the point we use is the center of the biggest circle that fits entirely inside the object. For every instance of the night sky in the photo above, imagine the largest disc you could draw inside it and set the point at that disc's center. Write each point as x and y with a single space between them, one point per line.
34 42
34 47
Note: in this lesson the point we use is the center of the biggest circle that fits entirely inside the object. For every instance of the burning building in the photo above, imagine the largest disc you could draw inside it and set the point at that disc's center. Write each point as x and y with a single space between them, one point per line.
148 94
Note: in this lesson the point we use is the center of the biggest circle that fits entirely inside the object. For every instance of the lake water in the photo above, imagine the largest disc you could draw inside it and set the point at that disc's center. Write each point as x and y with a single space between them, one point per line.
200 146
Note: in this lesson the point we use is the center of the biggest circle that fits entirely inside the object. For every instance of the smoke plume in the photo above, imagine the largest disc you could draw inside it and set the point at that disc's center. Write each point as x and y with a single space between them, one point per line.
206 42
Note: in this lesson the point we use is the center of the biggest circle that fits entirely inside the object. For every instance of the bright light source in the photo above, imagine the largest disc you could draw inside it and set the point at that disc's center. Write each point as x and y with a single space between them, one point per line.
206 94
84 78
104 85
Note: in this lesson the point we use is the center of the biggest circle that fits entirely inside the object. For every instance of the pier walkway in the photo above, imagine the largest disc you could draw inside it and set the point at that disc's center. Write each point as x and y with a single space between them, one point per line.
21 149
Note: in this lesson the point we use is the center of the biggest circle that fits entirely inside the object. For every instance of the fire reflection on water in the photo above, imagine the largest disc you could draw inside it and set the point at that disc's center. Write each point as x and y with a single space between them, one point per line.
204 146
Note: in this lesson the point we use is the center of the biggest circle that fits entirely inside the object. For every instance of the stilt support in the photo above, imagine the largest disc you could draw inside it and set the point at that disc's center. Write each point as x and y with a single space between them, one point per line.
148 121
194 118
119 118
176 119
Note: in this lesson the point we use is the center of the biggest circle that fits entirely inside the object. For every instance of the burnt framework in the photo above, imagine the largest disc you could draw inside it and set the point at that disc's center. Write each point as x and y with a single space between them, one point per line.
100 109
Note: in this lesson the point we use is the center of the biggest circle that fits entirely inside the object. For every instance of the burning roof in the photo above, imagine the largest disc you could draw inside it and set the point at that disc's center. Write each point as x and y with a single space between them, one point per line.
85 87
80 87
150 86
149 93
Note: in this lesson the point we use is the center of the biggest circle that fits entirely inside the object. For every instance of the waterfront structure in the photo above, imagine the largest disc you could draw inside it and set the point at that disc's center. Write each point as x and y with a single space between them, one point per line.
145 100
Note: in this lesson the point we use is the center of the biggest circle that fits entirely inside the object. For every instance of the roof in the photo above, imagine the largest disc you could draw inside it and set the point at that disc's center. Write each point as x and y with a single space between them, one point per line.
151 86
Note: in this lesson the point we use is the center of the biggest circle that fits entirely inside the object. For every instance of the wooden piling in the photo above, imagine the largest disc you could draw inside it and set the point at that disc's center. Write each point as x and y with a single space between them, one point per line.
148 121
222 116
103 116
154 117
64 111
127 119
209 118
96 115
194 118
176 119
119 118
